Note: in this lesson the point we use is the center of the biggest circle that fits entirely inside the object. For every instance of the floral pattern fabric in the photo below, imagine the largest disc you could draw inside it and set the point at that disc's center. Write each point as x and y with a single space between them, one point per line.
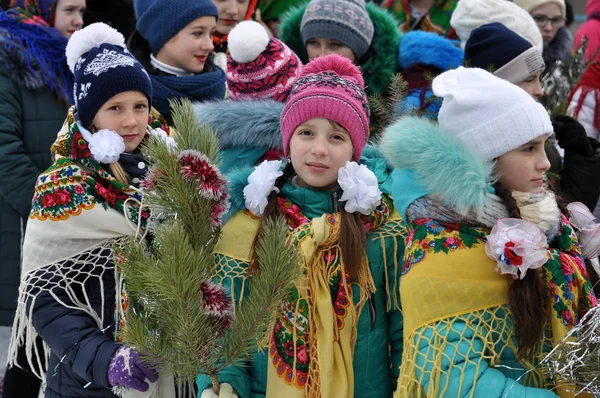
288 346
565 274
430 236
34 12
76 182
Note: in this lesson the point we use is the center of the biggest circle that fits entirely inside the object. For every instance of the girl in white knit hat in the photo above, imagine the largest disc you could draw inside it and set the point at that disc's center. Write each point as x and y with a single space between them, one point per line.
494 272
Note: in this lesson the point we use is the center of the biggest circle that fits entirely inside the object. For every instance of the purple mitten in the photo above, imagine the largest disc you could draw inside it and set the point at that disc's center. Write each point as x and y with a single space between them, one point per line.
127 370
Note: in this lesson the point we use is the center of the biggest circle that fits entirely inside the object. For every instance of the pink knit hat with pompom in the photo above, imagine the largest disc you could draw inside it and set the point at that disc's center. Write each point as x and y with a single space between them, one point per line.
259 67
329 87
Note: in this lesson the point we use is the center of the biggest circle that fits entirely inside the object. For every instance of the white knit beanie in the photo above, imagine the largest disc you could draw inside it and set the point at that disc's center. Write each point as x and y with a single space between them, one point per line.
490 115
530 5
471 14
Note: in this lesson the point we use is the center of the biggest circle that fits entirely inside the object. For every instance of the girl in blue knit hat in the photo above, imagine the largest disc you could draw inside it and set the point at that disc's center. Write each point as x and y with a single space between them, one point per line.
71 294
174 43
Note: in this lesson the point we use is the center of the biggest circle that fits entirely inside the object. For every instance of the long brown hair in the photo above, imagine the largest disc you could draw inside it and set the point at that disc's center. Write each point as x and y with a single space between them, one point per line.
527 296
353 234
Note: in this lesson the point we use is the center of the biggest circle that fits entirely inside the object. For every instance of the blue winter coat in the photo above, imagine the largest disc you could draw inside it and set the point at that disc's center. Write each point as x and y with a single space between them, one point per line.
81 351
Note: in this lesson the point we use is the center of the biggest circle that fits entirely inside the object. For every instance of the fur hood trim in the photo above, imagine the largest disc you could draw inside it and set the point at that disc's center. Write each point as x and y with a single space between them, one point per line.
378 65
247 123
238 179
427 48
437 158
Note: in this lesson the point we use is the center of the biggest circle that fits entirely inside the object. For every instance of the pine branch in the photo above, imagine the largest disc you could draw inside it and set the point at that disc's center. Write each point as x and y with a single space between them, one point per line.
178 317
278 268
385 110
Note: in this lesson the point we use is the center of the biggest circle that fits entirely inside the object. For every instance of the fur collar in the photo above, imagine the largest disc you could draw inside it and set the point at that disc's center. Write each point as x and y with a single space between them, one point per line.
249 123
13 57
378 65
429 207
435 158
559 49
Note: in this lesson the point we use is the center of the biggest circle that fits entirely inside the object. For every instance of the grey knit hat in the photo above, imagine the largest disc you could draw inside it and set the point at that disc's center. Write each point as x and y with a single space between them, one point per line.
344 20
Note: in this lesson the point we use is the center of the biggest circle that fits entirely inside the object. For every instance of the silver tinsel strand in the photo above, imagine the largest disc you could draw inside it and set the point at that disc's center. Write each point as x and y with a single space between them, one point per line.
576 358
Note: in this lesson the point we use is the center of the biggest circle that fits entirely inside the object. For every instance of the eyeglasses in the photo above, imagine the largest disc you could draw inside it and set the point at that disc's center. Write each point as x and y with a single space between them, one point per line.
542 20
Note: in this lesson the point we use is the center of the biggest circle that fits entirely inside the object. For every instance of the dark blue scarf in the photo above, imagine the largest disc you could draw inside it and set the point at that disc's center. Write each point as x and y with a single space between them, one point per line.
202 87
35 55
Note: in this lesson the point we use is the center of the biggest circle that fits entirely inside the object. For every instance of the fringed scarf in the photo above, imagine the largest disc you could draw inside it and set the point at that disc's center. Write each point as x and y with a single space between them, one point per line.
29 41
311 349
589 84
80 212
445 261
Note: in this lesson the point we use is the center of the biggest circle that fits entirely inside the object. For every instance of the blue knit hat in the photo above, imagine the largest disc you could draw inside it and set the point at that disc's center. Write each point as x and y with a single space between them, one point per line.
496 48
102 68
159 20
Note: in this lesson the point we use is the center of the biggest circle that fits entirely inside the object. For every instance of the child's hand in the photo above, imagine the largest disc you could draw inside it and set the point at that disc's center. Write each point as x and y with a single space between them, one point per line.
127 370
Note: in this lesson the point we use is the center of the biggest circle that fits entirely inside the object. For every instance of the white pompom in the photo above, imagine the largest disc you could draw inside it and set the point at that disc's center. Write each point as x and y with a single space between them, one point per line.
89 37
247 40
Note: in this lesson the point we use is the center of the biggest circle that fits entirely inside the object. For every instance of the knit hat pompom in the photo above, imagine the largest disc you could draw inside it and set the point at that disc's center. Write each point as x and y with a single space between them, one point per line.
82 41
259 67
329 87
247 40
336 64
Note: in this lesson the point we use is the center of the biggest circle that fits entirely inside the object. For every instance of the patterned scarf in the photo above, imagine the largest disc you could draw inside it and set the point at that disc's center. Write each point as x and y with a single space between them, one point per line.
437 251
80 212
201 87
311 349
437 20
30 41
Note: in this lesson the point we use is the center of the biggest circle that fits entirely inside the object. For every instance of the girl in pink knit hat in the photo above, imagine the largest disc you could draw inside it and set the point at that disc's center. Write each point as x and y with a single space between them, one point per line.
339 332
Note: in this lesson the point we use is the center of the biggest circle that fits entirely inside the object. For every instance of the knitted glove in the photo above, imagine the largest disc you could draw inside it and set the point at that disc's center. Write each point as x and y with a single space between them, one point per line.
128 371
571 135
226 391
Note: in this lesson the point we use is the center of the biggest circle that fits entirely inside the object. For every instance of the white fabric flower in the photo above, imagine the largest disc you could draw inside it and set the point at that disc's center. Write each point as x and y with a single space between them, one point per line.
517 246
589 231
260 185
360 187
161 135
106 146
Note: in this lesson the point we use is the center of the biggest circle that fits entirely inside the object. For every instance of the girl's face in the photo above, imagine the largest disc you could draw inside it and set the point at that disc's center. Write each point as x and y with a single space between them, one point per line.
127 114
318 148
319 47
533 86
69 16
190 47
522 169
549 19
230 13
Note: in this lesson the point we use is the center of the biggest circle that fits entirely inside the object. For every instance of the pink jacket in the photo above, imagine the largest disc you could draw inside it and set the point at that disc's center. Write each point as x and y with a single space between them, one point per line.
590 28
